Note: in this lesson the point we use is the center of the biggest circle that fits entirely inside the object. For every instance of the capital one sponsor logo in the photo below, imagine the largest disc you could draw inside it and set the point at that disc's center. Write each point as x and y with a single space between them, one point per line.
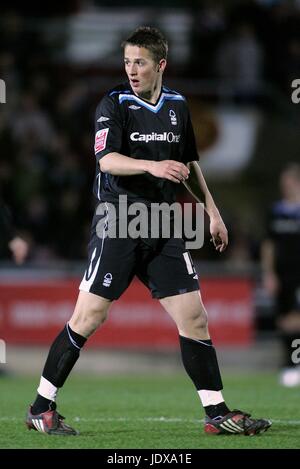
169 137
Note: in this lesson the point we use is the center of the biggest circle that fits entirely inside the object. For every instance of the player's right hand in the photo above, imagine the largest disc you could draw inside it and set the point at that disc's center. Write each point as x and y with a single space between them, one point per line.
169 169
271 283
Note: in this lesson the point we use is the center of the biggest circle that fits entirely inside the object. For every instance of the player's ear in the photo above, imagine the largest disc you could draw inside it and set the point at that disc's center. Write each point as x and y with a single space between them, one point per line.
161 65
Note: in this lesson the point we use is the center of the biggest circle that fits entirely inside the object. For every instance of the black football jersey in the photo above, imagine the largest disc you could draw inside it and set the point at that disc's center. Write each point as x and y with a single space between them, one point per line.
284 230
133 127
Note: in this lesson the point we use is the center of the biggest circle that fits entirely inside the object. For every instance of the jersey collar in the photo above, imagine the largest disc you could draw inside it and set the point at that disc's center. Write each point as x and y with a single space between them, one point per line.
164 96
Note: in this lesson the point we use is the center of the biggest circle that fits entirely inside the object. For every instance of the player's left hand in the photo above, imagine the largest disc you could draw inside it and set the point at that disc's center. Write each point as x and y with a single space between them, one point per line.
219 234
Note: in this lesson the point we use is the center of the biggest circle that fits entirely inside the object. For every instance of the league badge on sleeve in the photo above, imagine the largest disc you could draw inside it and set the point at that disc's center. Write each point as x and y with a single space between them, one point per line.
100 140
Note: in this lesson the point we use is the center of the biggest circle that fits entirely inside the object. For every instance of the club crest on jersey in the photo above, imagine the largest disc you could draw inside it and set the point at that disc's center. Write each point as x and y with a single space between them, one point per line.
100 140
173 117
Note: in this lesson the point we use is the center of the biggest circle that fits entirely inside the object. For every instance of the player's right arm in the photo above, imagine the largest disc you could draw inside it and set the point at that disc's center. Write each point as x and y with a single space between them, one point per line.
270 278
121 165
108 142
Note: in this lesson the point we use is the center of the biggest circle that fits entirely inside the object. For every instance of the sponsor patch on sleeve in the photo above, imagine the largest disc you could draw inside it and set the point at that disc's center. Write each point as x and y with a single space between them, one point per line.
100 140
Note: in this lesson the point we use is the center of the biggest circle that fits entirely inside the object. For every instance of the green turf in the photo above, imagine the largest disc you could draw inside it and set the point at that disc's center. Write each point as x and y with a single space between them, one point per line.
149 412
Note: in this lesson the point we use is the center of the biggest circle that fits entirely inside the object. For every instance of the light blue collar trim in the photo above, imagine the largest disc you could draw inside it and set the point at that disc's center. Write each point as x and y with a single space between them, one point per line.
154 108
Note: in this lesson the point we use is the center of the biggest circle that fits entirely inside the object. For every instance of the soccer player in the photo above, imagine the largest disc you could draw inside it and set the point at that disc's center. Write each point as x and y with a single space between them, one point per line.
281 267
144 147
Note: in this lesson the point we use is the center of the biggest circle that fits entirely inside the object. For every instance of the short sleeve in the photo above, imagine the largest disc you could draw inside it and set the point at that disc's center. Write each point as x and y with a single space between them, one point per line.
108 128
190 149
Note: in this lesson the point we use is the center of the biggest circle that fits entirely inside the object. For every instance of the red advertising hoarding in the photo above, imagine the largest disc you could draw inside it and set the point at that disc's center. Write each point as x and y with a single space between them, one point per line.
34 312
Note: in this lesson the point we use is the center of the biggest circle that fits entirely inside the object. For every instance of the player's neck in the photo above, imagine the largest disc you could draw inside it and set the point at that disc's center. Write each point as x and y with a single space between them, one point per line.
293 198
152 95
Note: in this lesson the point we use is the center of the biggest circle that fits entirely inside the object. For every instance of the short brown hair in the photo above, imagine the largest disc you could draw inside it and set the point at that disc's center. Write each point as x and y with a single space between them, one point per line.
151 39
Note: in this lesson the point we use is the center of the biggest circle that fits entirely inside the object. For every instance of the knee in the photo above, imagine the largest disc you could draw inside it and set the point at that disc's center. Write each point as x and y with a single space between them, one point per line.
88 316
200 320
95 316
89 319
195 325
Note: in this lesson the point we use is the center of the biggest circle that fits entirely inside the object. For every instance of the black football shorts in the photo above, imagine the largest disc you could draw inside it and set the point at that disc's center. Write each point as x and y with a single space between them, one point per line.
163 265
288 295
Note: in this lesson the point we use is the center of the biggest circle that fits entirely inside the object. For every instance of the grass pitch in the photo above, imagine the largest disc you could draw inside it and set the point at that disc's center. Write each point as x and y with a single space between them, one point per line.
155 412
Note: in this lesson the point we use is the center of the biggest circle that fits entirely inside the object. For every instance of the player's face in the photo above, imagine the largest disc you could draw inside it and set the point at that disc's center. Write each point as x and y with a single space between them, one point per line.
290 185
143 72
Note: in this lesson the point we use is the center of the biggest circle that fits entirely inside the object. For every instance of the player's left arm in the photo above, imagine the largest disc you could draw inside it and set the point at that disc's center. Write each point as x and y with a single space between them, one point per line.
197 186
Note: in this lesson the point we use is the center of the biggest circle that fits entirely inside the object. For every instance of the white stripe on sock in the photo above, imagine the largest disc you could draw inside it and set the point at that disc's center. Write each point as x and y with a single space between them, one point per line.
71 338
47 389
210 397
203 343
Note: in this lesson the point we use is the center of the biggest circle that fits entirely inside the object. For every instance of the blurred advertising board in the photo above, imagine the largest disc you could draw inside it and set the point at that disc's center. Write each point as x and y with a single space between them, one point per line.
33 312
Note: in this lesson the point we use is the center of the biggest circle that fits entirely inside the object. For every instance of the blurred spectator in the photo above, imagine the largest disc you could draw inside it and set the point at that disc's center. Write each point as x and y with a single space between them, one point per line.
18 246
239 62
32 122
281 267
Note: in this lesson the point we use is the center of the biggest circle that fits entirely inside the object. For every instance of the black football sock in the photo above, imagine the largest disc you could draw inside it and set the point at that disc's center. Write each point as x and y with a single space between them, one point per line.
218 410
200 361
41 404
63 354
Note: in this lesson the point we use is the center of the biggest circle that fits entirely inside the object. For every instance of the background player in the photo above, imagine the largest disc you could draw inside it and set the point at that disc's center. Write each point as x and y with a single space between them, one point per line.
281 267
